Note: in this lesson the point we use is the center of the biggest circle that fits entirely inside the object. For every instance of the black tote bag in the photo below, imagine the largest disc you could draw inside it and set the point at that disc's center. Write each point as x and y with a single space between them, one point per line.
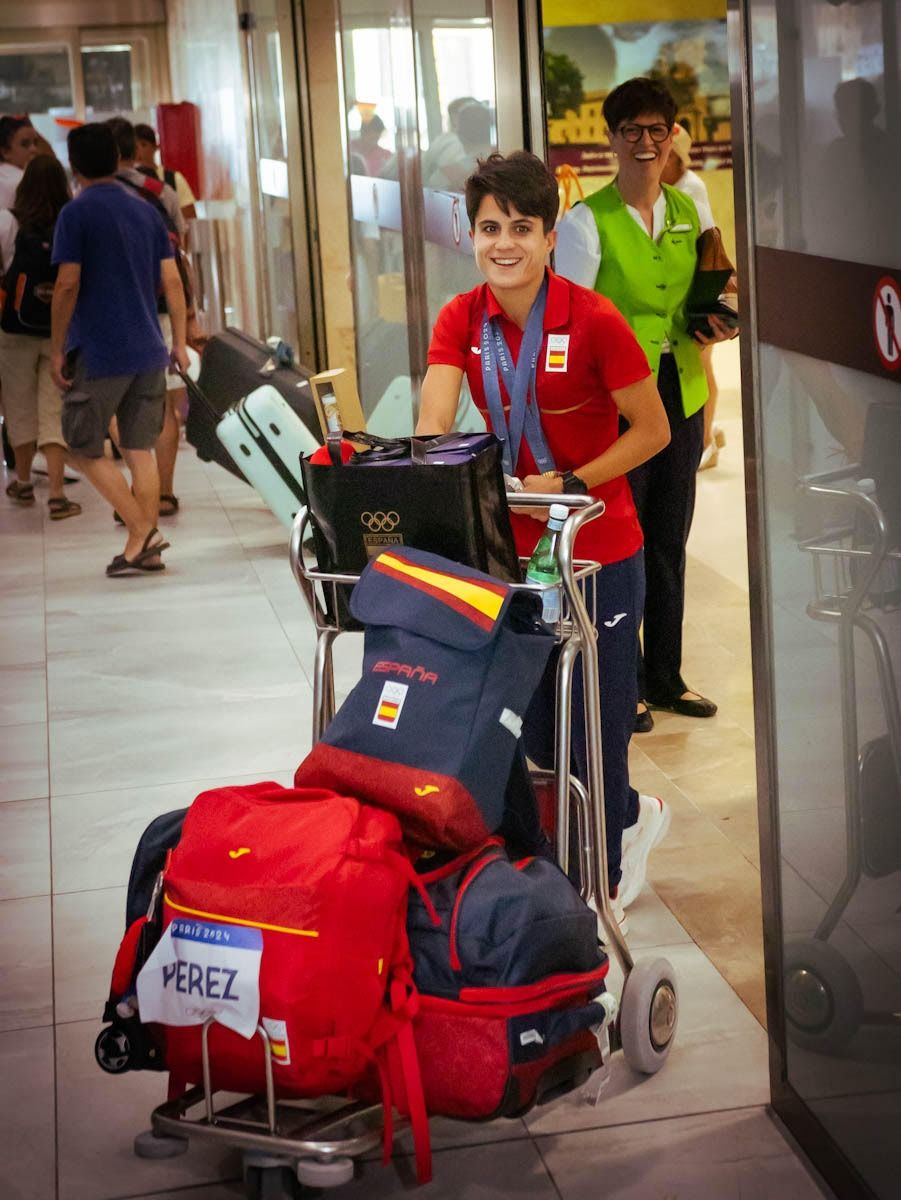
443 494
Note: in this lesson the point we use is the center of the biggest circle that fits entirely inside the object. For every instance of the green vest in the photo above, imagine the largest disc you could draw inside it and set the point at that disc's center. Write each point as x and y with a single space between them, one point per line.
649 281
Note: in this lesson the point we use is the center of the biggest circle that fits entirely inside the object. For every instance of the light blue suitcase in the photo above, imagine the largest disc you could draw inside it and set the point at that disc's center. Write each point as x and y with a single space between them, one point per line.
266 438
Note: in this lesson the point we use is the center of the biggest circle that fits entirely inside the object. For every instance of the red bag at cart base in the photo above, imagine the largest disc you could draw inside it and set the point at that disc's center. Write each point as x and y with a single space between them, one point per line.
284 911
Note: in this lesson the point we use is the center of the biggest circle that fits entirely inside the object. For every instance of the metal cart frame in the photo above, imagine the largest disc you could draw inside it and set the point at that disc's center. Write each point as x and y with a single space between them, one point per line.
824 1001
316 1141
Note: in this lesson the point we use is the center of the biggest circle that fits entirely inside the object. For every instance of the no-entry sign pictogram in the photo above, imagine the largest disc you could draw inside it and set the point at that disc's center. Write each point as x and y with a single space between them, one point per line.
887 321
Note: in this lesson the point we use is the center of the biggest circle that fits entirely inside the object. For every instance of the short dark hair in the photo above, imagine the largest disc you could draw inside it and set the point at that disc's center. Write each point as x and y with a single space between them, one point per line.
145 133
124 133
41 194
520 179
637 96
10 126
92 150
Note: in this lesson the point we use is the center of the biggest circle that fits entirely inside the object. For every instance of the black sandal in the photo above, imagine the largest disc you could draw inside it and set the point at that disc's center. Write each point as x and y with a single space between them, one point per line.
125 566
62 507
171 503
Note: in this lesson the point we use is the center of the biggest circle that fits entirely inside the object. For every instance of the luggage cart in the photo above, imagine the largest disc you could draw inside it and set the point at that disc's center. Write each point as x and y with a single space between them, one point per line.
854 569
315 1142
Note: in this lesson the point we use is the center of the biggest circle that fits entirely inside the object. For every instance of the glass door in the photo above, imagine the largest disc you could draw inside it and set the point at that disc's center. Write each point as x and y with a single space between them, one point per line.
824 175
422 103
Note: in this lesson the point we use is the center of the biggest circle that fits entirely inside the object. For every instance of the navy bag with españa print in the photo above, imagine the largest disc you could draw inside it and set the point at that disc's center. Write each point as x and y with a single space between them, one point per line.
452 657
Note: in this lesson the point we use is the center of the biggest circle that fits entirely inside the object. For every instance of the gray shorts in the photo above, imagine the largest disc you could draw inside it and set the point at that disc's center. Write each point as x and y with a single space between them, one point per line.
136 401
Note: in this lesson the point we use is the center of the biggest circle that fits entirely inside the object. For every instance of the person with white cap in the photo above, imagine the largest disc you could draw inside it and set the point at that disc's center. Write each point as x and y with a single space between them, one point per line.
678 174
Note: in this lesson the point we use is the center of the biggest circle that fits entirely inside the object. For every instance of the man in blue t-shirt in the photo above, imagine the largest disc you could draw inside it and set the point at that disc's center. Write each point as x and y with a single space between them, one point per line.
107 353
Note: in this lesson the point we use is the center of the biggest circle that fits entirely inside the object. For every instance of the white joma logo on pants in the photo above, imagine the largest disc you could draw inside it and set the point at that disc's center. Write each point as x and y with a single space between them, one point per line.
616 620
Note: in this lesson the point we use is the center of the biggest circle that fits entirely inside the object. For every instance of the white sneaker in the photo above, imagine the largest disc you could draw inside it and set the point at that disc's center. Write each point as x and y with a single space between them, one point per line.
39 466
639 840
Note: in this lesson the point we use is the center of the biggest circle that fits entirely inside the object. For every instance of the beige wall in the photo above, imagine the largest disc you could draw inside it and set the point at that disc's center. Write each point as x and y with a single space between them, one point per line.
330 183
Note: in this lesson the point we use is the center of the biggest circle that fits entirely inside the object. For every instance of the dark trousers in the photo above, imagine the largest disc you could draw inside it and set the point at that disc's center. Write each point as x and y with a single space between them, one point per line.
664 492
620 600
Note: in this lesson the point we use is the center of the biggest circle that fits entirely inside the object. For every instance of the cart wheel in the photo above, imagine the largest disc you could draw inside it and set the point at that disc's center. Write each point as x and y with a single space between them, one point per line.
823 1000
155 1145
271 1183
113 1050
325 1173
648 1013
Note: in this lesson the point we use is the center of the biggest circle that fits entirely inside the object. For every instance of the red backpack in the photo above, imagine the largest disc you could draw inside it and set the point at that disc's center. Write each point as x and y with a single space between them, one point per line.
284 914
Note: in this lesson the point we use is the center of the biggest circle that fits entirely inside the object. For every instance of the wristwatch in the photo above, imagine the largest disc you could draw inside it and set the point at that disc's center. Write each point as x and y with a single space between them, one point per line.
573 485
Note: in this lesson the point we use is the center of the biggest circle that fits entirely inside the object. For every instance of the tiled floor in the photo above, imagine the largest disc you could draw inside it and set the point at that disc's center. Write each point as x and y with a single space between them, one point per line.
121 699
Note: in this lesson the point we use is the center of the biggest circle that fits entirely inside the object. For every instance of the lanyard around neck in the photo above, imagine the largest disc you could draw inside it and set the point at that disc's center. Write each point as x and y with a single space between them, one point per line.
520 385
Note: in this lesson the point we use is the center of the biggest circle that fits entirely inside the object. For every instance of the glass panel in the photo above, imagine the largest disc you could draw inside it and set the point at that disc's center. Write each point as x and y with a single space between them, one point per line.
375 59
272 157
457 125
35 81
826 153
825 182
107 79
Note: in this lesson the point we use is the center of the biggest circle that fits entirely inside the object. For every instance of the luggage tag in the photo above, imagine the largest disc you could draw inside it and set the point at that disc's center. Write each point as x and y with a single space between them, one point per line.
202 970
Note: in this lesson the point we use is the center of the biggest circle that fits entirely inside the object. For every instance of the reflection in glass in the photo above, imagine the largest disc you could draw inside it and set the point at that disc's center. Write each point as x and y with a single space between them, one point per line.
35 81
825 181
272 175
107 79
830 170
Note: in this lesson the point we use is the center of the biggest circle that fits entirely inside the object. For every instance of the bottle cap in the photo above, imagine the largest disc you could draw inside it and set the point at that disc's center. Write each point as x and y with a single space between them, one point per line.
558 512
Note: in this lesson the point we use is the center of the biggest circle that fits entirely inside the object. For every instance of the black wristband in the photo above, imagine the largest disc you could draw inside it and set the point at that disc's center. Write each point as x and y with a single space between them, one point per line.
573 485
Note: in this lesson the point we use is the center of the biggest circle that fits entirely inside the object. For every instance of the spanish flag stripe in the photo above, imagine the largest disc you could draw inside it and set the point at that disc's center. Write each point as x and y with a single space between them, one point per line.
460 606
488 598
197 912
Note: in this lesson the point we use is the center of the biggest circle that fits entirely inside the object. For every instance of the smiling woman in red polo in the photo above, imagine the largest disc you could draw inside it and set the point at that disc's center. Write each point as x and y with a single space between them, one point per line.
553 367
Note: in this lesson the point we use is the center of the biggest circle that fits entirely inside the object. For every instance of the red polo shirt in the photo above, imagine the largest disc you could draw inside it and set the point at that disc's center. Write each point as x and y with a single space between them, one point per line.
594 352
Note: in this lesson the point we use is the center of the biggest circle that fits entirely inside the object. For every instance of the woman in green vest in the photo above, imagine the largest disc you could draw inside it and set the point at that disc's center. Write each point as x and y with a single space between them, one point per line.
634 241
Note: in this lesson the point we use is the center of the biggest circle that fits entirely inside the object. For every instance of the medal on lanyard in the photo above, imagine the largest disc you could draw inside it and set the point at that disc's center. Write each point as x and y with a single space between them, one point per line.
520 385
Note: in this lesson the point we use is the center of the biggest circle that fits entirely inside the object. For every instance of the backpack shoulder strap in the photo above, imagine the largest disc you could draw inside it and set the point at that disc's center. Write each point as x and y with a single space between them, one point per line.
169 176
154 184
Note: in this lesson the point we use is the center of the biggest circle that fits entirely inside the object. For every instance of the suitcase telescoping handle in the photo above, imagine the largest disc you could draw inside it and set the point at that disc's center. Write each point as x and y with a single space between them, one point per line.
195 392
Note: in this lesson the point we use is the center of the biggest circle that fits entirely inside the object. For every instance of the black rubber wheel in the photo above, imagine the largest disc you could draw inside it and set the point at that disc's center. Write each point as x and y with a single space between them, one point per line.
823 999
113 1050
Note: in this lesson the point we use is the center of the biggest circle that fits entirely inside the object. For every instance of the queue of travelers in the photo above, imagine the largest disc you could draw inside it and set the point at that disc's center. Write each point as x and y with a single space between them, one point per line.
74 269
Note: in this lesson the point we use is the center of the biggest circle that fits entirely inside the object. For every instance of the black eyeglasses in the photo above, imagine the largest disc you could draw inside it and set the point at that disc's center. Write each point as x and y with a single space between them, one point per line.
634 133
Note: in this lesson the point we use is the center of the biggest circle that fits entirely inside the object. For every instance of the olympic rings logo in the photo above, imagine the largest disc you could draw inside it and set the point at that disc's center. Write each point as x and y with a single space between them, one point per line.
379 522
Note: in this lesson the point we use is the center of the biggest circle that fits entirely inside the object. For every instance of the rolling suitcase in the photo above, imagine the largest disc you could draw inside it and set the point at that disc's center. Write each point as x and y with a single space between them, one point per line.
266 438
233 365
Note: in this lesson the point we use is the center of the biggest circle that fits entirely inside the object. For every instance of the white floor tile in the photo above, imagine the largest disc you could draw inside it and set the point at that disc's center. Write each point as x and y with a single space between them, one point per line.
27 1135
26 981
95 835
722 1156
25 859
23 763
87 930
243 735
494 1172
718 1058
23 695
98 1118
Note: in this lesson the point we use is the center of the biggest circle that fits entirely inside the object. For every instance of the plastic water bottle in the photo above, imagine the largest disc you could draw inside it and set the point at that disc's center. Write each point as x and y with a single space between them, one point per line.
543 567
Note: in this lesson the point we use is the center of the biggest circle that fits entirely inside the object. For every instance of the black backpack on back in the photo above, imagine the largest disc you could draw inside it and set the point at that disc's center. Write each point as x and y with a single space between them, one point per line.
28 285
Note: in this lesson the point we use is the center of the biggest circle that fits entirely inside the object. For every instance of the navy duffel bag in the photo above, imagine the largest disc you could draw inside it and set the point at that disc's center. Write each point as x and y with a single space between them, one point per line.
509 984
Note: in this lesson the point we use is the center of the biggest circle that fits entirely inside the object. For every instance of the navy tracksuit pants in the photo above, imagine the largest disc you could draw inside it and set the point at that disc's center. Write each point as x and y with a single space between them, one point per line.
620 603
